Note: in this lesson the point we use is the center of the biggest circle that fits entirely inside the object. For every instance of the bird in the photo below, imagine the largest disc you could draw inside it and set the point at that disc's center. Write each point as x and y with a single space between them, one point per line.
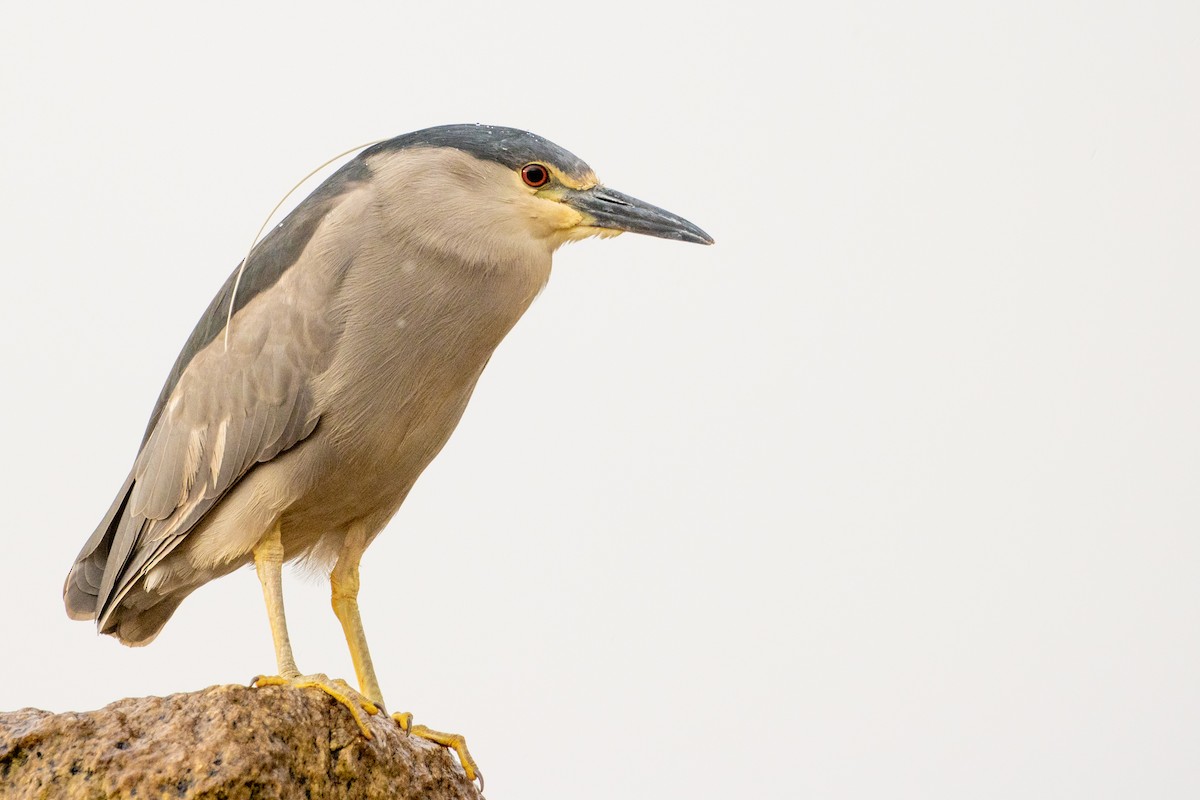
328 372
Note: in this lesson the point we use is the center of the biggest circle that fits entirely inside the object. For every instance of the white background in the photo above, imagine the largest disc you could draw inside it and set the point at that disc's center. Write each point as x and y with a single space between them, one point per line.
890 493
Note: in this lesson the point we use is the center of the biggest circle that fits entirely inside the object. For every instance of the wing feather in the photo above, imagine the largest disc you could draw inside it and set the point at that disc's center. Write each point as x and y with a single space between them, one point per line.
224 409
246 417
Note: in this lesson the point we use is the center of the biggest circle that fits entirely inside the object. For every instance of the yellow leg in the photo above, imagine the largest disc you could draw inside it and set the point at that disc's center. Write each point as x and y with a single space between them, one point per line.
344 583
268 562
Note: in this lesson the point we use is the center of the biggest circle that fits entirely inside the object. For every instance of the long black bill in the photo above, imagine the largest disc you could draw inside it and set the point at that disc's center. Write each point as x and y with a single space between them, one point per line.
611 209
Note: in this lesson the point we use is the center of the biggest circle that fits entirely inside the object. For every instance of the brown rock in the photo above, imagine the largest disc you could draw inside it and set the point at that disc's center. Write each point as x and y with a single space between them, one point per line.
227 742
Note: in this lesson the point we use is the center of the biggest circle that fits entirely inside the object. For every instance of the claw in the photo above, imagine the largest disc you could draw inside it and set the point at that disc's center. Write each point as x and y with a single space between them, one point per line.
452 741
360 706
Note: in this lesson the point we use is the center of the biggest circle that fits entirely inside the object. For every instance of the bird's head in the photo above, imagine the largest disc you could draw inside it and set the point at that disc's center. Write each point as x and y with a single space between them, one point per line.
483 186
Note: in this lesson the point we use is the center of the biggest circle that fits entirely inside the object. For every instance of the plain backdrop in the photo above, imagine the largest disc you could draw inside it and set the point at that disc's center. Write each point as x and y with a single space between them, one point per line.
890 493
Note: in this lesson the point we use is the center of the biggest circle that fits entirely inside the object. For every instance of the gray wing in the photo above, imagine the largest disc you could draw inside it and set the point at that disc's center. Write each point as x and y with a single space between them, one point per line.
223 409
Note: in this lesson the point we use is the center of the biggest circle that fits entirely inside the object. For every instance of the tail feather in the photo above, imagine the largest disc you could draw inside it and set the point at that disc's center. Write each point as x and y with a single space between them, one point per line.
141 615
81 590
105 583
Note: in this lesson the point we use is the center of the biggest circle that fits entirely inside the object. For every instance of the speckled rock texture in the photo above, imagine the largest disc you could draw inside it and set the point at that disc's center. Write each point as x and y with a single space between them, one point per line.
227 742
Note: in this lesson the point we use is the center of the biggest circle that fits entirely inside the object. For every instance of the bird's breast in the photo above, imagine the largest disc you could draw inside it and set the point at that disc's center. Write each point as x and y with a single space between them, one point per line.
416 336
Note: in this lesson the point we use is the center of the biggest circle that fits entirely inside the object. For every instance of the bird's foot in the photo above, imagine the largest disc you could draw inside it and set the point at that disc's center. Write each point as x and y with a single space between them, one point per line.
452 741
360 706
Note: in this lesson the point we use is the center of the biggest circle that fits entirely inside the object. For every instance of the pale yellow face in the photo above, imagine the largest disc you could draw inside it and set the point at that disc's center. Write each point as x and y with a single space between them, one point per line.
546 211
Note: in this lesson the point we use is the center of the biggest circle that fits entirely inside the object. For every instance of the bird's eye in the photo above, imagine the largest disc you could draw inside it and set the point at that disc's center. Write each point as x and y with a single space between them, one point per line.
535 175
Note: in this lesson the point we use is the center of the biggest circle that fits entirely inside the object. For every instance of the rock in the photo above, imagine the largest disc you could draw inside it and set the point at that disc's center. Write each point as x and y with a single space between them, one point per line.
228 742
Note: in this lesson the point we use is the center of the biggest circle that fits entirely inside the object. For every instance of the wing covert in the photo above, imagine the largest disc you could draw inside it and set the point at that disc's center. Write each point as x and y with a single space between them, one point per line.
226 408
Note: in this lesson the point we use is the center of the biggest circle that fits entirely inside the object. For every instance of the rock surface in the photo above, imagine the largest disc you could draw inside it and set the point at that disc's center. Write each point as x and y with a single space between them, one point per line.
226 742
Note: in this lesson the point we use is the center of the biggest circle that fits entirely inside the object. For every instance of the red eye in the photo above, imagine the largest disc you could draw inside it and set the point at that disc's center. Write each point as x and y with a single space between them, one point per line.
535 175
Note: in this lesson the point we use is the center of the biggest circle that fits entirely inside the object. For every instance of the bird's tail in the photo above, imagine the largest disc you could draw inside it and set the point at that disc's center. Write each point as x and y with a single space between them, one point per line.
83 588
133 615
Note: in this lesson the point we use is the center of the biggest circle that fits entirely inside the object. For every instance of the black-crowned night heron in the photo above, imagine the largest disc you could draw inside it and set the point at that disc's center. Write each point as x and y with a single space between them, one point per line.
357 330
